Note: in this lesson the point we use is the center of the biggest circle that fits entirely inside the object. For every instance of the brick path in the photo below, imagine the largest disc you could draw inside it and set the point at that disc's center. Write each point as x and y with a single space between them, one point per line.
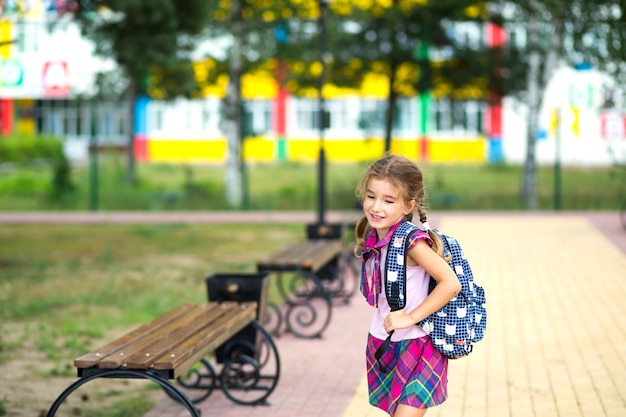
556 336
556 340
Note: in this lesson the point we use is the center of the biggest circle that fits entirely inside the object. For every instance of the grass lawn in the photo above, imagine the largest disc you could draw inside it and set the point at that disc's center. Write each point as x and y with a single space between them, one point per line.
293 186
66 289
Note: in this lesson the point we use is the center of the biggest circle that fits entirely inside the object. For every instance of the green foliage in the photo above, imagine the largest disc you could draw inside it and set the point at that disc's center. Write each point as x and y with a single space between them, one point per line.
579 31
414 46
61 179
393 40
24 184
22 148
24 155
3 405
152 40
598 36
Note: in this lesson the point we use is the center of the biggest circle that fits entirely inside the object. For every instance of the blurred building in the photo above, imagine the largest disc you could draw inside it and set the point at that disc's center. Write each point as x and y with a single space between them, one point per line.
47 74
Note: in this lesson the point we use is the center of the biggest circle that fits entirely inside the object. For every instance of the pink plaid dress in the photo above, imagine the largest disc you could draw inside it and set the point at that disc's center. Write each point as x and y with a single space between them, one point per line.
417 374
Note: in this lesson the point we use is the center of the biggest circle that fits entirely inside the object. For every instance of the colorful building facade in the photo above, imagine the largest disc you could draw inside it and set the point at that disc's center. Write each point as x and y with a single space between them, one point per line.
44 70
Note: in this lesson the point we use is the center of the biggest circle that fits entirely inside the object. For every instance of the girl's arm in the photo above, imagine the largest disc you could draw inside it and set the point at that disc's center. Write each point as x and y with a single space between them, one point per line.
448 286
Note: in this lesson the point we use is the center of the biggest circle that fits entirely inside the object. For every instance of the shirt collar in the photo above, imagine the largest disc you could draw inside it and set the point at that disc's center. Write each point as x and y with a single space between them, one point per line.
371 243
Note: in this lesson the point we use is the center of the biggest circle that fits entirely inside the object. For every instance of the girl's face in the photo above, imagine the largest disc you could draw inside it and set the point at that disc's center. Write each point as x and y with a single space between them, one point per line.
384 206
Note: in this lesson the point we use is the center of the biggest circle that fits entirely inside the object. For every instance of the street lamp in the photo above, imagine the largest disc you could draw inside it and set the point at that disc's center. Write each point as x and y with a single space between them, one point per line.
321 115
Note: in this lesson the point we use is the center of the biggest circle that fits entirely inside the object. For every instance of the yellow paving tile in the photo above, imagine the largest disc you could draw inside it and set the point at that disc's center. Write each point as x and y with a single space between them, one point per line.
556 300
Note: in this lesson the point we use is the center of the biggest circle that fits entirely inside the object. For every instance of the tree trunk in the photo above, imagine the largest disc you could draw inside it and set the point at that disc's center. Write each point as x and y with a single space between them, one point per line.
233 114
536 85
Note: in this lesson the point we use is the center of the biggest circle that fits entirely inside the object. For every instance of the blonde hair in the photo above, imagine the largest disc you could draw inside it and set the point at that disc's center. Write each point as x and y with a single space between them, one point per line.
407 177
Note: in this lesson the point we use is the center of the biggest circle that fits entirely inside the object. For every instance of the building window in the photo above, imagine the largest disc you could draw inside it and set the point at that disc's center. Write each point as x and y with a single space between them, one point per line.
458 117
257 117
27 37
306 114
372 117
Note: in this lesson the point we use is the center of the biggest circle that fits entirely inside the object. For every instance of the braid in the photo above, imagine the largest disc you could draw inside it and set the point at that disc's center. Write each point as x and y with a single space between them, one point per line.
420 211
437 244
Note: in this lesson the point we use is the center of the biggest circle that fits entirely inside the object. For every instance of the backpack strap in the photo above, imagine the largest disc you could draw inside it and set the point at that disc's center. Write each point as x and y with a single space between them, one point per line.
446 252
395 277
395 266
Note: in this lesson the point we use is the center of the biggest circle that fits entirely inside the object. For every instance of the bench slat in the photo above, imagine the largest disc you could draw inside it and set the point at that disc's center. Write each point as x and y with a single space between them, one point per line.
209 317
93 358
309 255
121 357
208 339
174 341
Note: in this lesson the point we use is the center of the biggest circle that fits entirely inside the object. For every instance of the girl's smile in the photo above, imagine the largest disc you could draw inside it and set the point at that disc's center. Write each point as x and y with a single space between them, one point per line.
384 206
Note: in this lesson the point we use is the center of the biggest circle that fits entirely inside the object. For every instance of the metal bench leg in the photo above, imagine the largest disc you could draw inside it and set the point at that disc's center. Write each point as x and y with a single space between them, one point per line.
170 388
194 382
309 316
251 372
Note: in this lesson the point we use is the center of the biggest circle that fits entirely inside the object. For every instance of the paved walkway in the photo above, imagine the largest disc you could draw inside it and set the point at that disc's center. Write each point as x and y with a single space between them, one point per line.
556 339
556 336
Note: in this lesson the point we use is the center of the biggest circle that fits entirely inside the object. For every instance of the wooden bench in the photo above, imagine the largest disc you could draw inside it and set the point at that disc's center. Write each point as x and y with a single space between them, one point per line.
167 347
308 303
310 255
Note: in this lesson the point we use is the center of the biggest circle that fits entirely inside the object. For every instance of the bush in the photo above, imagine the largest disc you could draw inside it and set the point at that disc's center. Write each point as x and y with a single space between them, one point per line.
24 149
30 150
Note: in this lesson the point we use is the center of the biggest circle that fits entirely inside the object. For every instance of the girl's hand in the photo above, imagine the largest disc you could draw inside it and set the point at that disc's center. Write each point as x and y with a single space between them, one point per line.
397 320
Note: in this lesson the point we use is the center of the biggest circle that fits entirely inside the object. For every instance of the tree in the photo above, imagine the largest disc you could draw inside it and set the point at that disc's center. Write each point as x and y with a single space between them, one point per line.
386 38
151 41
562 32
375 38
600 37
249 28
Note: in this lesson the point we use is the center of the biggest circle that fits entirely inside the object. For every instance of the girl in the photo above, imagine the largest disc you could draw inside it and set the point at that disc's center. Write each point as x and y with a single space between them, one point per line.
414 377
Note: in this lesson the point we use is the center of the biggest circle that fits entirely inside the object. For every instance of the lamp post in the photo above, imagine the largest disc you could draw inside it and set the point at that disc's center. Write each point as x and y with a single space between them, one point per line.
93 157
321 116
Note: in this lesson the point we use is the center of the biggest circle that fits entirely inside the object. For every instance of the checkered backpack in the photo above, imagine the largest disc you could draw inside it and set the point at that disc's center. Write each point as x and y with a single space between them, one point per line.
463 320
